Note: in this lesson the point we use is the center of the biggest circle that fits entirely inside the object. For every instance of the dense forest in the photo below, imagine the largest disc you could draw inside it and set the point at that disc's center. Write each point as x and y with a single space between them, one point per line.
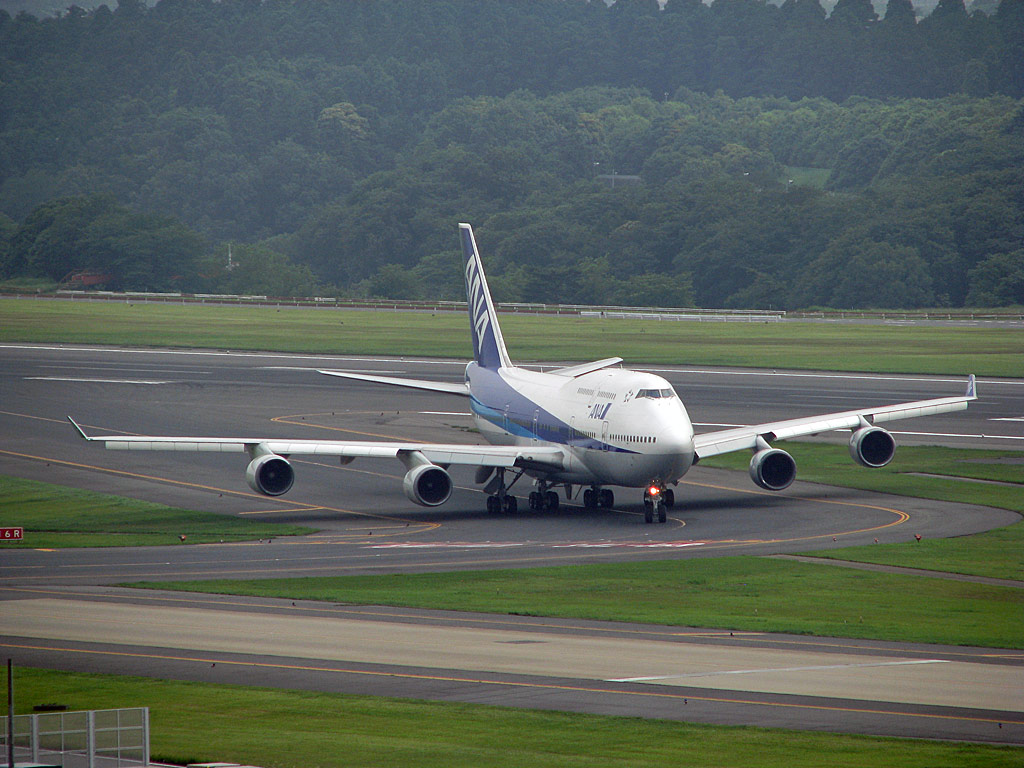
738 154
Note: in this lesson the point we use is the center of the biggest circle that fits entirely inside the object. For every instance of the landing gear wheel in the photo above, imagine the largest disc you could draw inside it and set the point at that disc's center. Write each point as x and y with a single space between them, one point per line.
648 512
551 501
510 505
662 512
493 505
669 497
605 498
536 500
588 499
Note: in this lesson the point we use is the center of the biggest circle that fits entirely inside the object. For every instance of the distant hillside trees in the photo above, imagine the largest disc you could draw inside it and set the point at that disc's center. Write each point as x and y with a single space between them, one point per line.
785 157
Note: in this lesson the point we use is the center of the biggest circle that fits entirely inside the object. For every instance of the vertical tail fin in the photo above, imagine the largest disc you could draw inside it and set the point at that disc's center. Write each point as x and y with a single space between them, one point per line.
488 345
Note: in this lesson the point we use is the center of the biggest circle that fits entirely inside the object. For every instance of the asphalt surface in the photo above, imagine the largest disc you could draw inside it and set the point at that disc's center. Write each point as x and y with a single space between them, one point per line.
55 609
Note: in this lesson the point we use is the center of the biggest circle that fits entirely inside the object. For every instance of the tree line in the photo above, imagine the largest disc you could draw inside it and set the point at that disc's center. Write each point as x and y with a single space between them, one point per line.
784 158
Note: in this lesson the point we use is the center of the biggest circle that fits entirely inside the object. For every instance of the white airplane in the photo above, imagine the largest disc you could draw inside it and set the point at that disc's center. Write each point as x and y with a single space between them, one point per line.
591 426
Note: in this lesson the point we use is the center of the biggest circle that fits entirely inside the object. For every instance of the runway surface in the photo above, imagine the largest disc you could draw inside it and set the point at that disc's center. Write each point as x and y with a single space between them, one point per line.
50 600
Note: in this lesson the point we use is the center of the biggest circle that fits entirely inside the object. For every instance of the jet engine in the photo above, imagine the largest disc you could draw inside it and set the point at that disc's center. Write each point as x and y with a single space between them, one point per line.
872 447
427 485
270 475
772 469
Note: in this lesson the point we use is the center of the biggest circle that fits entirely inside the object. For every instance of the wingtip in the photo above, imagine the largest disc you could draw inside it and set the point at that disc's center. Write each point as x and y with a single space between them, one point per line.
972 387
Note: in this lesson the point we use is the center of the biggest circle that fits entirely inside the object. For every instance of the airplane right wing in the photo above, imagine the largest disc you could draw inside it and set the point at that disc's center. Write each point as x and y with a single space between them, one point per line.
870 445
728 440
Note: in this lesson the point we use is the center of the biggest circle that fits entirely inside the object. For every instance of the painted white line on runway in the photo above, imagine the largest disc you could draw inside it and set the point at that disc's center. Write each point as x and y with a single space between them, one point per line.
448 545
93 381
212 353
308 369
952 434
1009 418
819 668
444 413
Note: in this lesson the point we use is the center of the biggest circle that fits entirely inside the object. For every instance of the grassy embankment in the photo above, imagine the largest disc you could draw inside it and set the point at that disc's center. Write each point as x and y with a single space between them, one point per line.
58 516
293 729
736 593
808 345
755 594
954 475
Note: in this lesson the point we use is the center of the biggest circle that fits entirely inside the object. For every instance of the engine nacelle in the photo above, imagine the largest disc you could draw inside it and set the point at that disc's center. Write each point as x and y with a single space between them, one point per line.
270 475
872 447
772 469
427 485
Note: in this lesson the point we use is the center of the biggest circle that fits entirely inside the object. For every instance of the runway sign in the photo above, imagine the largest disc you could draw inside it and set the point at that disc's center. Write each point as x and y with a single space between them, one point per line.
12 534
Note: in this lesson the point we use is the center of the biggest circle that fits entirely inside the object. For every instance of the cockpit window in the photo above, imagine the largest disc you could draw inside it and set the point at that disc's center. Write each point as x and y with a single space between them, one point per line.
655 394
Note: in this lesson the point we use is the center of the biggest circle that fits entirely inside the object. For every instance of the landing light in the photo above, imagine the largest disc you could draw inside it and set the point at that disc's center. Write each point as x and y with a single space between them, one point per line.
653 490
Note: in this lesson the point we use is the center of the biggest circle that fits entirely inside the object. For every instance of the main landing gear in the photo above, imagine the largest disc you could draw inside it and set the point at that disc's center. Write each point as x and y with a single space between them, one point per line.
500 500
543 499
598 497
657 500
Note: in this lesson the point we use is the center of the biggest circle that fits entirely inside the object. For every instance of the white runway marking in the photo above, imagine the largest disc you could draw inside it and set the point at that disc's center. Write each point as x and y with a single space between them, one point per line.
93 381
818 668
953 434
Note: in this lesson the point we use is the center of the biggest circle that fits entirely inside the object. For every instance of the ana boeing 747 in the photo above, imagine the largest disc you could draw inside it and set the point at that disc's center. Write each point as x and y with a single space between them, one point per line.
586 427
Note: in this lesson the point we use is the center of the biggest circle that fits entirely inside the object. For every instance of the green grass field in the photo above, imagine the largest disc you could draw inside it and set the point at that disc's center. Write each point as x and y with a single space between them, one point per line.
807 345
738 593
194 722
998 554
58 516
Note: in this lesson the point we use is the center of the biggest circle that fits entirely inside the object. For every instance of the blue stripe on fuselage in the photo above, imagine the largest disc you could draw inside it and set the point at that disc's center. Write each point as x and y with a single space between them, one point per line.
492 397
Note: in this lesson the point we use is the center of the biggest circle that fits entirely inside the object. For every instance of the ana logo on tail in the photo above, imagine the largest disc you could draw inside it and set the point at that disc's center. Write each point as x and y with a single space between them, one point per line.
488 346
477 303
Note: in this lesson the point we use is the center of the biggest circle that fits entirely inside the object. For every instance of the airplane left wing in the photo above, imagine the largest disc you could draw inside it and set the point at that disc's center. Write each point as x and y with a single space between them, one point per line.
756 436
437 453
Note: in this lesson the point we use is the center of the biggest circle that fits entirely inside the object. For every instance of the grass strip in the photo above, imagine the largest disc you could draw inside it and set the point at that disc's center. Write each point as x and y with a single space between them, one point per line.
198 722
806 345
997 554
737 593
58 516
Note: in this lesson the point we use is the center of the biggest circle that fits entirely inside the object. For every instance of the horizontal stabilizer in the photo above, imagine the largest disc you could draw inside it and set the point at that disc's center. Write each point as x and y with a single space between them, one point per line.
449 387
578 370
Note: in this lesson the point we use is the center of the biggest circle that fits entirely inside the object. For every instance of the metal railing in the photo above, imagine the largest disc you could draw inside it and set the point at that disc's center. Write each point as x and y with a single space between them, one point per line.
107 738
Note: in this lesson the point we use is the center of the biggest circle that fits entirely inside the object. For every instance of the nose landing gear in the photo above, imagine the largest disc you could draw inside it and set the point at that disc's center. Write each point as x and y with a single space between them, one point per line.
657 500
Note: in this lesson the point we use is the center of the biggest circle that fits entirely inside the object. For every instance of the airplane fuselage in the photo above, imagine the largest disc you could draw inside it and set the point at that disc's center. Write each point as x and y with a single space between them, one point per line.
617 427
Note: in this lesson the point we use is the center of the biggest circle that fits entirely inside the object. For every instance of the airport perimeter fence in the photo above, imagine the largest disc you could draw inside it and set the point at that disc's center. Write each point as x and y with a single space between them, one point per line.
705 314
108 738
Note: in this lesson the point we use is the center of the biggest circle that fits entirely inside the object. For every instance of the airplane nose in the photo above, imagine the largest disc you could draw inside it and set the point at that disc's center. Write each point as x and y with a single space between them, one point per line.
677 437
